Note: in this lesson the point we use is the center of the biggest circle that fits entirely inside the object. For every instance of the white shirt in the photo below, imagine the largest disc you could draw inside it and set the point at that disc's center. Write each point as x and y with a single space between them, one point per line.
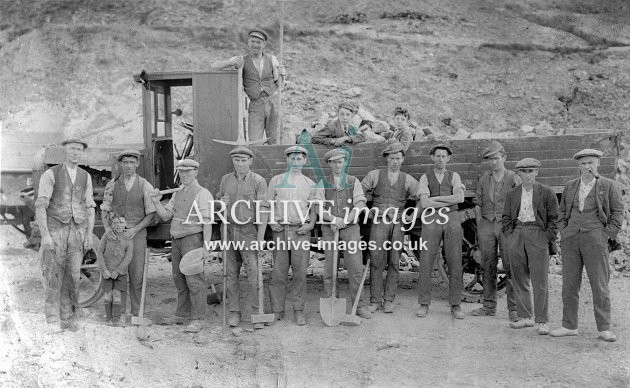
72 171
526 214
585 189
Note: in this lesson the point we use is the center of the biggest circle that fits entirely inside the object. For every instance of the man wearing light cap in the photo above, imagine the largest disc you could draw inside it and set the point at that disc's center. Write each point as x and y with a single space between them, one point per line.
188 232
442 190
530 217
64 212
590 213
291 193
390 189
345 199
129 196
339 132
262 76
489 201
240 189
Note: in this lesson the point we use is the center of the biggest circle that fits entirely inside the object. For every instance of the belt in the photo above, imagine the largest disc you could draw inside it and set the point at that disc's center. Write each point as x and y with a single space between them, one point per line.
527 225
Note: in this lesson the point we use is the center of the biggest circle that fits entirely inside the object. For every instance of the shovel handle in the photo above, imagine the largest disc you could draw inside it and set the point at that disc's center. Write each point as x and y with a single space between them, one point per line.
356 299
335 259
147 254
224 255
261 287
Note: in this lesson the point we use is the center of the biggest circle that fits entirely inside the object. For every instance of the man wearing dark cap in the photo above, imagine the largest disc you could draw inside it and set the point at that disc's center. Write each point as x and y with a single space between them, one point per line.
240 189
401 131
345 199
339 132
442 190
64 212
188 232
489 200
390 189
262 76
291 193
590 213
129 196
530 217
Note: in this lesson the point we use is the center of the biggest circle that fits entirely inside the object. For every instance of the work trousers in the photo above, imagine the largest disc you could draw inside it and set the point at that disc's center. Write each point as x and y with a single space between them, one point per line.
585 249
451 234
298 259
235 258
264 116
529 257
136 271
379 233
191 289
61 268
492 240
353 261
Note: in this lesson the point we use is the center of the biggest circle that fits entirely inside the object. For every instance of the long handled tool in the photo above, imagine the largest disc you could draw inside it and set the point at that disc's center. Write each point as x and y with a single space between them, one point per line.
261 317
333 309
352 319
224 255
140 320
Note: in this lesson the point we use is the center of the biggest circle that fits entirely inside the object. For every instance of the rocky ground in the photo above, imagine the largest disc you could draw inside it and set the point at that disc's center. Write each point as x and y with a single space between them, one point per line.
388 350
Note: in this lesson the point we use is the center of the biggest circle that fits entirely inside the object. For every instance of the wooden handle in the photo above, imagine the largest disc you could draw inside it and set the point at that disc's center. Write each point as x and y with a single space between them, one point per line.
224 255
168 191
358 296
335 258
261 288
147 254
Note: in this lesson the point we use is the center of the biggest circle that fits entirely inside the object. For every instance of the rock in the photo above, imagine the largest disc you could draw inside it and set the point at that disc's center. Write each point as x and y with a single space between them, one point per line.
352 92
142 333
365 114
531 134
461 134
543 129
525 129
328 83
237 331
200 339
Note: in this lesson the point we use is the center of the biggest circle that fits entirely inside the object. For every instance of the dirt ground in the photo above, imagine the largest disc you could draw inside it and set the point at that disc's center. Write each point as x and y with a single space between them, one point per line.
388 350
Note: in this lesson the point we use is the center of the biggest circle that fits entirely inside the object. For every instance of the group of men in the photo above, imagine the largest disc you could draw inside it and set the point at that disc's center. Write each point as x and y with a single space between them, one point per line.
515 215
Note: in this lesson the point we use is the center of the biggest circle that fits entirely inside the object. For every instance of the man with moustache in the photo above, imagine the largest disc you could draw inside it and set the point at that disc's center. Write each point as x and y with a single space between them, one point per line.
241 188
64 212
262 76
186 235
338 132
346 199
442 190
289 195
489 201
129 196
390 189
529 223
591 211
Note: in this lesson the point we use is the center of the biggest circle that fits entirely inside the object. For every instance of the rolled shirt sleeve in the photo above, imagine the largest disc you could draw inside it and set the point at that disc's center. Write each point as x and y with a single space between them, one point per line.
108 196
411 186
203 199
89 193
45 190
149 207
423 186
358 197
370 181
457 181
170 206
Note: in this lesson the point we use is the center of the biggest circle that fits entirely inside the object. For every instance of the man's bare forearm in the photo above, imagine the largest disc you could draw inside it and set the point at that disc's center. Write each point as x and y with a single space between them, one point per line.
42 220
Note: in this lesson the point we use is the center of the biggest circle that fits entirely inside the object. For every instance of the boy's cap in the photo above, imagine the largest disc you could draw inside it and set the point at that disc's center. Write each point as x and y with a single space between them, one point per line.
527 163
440 147
187 164
493 148
128 152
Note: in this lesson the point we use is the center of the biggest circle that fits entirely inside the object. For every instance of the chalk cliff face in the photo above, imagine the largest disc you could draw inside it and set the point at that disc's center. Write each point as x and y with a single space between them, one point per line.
474 66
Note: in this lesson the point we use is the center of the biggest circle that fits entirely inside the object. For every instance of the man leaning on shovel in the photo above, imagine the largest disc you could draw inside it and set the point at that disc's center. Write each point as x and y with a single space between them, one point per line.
344 198
240 189
186 236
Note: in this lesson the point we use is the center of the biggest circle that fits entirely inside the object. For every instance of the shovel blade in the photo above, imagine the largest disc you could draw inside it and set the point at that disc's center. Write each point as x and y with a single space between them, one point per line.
332 310
351 320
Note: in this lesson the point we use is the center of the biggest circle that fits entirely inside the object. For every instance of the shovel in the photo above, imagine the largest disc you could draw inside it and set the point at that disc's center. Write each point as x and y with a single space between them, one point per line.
333 309
353 319
140 320
261 317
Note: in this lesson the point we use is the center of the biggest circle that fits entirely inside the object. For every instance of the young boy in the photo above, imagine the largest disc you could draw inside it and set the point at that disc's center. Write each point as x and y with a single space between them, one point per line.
114 256
400 131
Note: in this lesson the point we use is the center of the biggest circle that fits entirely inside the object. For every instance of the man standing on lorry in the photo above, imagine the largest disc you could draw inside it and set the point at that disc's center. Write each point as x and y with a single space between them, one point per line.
442 190
530 219
489 201
129 196
64 211
590 213
262 76
390 189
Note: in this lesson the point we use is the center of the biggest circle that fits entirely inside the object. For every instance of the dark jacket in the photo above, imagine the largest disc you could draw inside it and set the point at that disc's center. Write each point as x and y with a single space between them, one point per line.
608 197
333 131
545 206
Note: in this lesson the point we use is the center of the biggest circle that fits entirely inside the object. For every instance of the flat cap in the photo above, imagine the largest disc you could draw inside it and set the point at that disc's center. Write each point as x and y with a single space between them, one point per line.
187 164
242 150
192 262
296 149
335 154
588 152
259 33
493 148
351 106
128 152
441 147
527 163
394 148
75 140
